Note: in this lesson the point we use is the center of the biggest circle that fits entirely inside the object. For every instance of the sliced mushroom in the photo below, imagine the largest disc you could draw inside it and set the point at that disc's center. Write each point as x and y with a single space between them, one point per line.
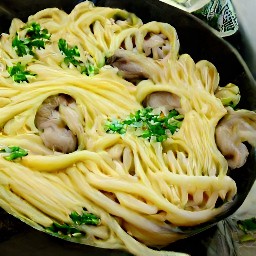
131 66
59 123
165 100
232 131
59 139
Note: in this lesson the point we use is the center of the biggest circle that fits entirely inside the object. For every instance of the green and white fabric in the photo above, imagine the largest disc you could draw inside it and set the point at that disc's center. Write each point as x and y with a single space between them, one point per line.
219 14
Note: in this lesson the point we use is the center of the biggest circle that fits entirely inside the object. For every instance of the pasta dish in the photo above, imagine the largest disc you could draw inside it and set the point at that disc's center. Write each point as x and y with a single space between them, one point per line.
108 136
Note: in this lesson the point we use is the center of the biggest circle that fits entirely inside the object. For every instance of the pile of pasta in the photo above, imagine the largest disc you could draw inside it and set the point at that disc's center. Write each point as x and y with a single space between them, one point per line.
140 191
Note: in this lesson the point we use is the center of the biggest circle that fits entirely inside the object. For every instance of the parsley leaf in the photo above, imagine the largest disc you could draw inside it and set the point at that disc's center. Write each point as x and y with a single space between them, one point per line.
19 73
72 55
13 152
64 230
115 126
147 124
85 218
21 47
35 38
34 32
72 230
89 70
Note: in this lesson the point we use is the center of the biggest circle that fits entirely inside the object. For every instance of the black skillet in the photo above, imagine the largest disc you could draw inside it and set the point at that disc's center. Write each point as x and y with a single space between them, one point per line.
197 40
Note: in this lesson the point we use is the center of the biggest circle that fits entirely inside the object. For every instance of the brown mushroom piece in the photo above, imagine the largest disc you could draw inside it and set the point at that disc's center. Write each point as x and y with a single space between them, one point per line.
234 129
58 121
166 100
132 67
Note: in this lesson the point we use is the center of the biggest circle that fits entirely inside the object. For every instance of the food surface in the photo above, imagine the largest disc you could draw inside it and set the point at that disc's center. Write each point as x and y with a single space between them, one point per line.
109 137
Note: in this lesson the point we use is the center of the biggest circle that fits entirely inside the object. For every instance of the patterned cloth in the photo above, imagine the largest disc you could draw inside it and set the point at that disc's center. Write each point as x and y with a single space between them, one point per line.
219 14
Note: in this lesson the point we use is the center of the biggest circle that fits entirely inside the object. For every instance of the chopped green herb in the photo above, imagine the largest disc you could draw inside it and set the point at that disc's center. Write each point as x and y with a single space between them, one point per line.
72 55
147 124
64 230
85 218
70 230
35 38
70 52
19 73
34 32
115 126
22 46
13 152
89 70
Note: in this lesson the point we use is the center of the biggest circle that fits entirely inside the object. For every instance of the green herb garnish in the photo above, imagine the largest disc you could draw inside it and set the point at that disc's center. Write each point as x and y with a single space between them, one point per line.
35 38
70 52
89 70
19 73
64 230
72 55
72 230
147 124
13 152
85 218
34 32
22 46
